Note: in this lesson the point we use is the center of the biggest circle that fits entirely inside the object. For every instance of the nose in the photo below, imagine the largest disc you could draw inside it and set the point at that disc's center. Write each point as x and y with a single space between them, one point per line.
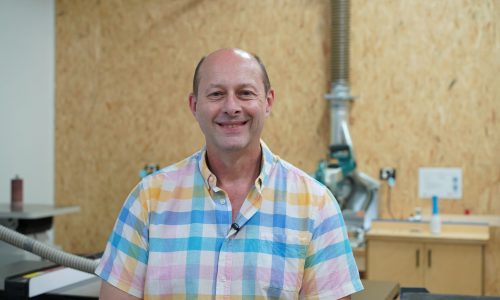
232 105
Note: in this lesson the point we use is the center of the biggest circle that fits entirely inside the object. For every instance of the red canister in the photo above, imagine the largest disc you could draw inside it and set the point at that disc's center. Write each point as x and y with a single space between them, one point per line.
16 193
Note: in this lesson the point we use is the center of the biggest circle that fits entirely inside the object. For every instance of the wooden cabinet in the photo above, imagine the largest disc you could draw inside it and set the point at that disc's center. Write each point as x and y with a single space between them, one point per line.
454 268
451 262
395 261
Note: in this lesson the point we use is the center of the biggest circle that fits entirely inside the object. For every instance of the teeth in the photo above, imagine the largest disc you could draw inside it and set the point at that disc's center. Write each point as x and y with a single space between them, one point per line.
231 125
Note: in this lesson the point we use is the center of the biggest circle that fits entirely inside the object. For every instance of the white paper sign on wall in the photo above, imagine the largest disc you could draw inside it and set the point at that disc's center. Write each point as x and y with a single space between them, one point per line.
445 183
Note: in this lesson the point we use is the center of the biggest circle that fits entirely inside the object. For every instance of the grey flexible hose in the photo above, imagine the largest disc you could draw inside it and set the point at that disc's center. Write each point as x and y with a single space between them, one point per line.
57 256
340 41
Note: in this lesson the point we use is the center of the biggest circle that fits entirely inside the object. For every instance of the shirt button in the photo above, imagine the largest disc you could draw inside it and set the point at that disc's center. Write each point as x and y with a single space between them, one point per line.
222 201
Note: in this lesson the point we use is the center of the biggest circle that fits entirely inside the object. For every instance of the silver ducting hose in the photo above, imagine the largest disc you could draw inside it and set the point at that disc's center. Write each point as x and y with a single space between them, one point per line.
340 95
340 41
57 256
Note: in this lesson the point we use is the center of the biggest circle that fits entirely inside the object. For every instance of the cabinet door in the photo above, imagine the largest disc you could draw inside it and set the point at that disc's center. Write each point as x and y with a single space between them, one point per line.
396 261
454 269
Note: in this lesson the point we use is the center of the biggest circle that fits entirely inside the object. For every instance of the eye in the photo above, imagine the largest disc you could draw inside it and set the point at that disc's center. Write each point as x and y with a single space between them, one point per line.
215 95
247 94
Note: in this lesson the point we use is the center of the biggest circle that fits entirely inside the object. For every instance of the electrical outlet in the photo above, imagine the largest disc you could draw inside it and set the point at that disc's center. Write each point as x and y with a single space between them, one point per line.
386 173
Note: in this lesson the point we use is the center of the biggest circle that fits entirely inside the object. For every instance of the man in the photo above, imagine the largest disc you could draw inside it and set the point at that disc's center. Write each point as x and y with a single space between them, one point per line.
233 221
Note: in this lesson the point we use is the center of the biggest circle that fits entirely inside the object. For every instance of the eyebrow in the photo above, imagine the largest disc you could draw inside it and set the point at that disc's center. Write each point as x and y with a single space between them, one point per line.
243 85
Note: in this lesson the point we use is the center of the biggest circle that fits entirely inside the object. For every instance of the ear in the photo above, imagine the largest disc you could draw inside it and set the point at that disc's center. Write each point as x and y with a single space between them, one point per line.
269 101
192 104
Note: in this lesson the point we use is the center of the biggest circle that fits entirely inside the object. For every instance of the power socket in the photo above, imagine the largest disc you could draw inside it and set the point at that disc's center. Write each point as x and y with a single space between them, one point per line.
386 173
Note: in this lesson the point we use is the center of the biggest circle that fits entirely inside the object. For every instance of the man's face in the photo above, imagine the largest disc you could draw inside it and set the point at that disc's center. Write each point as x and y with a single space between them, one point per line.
231 105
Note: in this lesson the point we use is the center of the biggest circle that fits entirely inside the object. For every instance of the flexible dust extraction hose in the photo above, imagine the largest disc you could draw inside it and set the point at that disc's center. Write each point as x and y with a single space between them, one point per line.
340 41
340 96
57 256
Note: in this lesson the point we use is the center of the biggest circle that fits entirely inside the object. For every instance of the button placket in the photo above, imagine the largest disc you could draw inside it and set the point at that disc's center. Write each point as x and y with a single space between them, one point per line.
223 286
229 262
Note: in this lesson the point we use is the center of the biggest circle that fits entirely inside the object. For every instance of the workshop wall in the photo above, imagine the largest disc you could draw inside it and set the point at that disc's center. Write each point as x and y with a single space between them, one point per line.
124 72
425 74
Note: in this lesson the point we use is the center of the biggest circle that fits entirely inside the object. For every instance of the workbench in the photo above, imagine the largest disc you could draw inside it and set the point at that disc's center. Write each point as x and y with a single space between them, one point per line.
408 253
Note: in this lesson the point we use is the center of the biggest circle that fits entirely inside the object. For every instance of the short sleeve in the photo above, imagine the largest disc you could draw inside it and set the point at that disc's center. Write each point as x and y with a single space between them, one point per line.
330 271
125 258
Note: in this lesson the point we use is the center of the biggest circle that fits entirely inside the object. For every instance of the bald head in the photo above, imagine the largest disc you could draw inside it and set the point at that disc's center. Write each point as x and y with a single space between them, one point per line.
228 53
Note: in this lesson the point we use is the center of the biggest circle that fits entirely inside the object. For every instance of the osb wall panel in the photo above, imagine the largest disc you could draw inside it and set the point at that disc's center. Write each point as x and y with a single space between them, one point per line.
427 76
124 72
425 73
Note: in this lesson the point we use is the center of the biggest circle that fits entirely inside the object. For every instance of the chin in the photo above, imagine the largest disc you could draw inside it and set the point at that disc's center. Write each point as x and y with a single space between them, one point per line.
233 145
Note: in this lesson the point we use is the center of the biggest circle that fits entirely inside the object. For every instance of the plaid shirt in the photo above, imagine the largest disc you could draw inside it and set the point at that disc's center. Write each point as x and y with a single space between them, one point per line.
173 238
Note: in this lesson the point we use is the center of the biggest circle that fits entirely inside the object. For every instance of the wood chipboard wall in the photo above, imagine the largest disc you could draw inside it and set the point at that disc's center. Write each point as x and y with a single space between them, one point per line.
425 74
124 72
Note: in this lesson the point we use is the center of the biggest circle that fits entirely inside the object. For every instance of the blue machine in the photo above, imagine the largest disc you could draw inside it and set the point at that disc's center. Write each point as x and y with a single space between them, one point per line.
356 192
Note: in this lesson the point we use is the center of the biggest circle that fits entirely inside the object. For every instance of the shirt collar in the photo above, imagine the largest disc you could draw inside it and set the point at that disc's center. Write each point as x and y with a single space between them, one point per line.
267 163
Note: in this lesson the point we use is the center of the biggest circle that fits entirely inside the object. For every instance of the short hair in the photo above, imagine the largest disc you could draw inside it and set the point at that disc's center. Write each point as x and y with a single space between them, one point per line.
265 77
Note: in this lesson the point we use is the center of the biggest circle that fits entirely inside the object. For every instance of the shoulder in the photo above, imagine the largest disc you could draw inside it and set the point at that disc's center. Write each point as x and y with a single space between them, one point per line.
306 196
306 189
297 177
171 176
165 184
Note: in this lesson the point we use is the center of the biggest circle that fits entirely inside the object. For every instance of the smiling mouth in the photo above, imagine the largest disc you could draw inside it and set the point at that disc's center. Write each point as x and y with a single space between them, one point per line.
232 124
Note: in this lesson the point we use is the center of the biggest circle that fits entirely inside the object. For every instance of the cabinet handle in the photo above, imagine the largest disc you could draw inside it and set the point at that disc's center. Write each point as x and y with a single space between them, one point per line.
429 258
417 256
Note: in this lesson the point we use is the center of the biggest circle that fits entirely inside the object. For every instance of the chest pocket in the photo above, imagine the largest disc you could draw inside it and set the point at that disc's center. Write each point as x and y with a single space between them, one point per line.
280 262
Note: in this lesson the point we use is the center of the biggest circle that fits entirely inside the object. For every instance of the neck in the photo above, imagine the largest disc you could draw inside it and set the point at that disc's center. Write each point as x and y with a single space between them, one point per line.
235 166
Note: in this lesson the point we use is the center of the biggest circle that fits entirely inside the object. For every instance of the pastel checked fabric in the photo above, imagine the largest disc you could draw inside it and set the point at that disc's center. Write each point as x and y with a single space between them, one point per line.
173 238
